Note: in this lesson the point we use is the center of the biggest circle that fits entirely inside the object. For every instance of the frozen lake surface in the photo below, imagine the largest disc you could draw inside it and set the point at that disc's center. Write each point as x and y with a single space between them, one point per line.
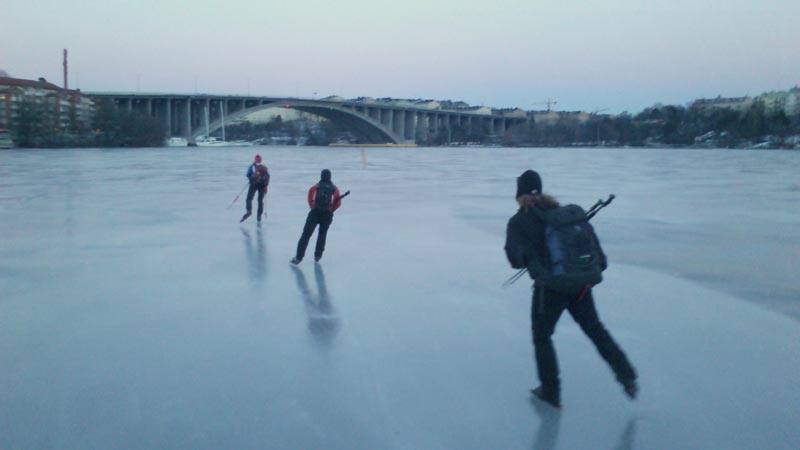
136 312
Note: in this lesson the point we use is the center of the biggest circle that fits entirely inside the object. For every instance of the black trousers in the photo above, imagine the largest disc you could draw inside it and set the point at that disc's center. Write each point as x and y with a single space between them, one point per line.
251 192
546 309
315 217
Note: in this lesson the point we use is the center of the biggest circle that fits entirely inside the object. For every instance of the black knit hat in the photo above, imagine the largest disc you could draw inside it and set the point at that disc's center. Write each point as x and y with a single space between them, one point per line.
529 183
325 175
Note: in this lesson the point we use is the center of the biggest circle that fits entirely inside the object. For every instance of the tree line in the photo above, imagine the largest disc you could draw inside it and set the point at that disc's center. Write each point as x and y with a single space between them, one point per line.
678 126
661 125
35 125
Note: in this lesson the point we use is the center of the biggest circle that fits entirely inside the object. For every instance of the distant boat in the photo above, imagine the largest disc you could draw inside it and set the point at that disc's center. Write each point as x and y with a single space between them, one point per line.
5 139
211 141
177 142
337 144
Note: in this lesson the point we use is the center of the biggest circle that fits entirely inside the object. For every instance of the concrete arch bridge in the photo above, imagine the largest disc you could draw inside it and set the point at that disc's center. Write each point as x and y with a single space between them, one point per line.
189 116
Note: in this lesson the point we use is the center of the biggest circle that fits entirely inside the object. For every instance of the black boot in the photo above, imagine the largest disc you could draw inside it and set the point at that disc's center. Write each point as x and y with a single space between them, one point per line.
631 388
550 399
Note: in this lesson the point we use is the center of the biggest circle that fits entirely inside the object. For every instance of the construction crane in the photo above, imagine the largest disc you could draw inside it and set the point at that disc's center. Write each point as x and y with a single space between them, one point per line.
549 103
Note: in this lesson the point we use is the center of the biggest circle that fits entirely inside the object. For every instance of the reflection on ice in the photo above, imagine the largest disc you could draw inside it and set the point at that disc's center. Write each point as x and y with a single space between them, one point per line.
628 437
256 254
549 421
322 321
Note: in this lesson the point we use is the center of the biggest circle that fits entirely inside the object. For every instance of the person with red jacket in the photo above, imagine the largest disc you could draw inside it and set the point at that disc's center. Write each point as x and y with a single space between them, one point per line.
323 199
258 175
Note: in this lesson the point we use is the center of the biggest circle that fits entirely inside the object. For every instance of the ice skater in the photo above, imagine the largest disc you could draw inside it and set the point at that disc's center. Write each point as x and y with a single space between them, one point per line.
526 247
258 174
323 199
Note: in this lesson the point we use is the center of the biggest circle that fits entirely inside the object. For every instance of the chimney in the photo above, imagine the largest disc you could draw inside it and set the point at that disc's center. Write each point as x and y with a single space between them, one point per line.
66 86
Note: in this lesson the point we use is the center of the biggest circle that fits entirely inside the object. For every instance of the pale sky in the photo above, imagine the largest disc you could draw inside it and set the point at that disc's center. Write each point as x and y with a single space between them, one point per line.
615 55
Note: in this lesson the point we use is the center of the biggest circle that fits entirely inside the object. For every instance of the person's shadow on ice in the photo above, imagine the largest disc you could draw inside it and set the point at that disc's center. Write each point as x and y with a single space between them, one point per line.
323 324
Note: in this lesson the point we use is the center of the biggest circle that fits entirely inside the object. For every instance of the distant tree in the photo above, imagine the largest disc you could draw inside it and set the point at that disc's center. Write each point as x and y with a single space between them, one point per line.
138 129
114 127
778 123
673 120
520 135
276 123
754 122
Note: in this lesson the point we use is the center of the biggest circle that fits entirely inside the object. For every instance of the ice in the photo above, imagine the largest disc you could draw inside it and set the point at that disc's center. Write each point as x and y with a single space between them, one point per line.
136 312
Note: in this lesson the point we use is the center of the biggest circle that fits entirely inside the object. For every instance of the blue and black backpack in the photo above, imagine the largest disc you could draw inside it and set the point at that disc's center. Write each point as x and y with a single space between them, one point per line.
576 259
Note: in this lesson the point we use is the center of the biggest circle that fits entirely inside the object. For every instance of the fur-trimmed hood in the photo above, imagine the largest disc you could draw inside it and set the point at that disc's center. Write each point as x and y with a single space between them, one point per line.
544 201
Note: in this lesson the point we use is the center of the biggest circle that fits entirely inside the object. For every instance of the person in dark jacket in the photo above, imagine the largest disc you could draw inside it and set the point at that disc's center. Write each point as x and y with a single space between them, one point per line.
323 199
526 248
258 174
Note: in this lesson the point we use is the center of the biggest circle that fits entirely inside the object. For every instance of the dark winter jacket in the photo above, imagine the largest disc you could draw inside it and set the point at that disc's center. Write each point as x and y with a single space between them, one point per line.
525 238
525 241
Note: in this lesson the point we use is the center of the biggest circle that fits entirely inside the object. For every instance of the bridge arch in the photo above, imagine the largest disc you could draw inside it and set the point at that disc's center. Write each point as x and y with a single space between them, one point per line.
370 128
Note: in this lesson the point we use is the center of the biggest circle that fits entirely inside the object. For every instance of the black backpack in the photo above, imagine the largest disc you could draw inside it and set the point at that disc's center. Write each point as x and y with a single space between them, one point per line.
576 259
324 196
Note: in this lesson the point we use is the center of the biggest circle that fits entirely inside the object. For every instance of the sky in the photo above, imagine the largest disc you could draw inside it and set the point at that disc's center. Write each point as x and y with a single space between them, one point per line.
611 56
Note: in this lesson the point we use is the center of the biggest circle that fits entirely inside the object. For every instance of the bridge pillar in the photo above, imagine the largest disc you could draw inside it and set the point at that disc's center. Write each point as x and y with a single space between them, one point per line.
446 119
400 124
168 117
187 124
395 126
422 127
388 116
410 118
206 109
501 128
232 106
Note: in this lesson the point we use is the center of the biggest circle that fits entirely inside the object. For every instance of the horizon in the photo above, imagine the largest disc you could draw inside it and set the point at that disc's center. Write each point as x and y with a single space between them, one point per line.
611 58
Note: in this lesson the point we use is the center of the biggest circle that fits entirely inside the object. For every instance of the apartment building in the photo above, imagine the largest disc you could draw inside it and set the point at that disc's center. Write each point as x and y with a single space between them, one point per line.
59 106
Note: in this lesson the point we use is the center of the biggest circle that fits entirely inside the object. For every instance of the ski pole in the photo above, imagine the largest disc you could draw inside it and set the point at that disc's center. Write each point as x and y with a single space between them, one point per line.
345 195
600 205
515 277
237 195
594 207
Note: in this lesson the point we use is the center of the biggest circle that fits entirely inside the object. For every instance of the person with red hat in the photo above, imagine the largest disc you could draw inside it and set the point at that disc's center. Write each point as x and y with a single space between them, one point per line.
258 175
